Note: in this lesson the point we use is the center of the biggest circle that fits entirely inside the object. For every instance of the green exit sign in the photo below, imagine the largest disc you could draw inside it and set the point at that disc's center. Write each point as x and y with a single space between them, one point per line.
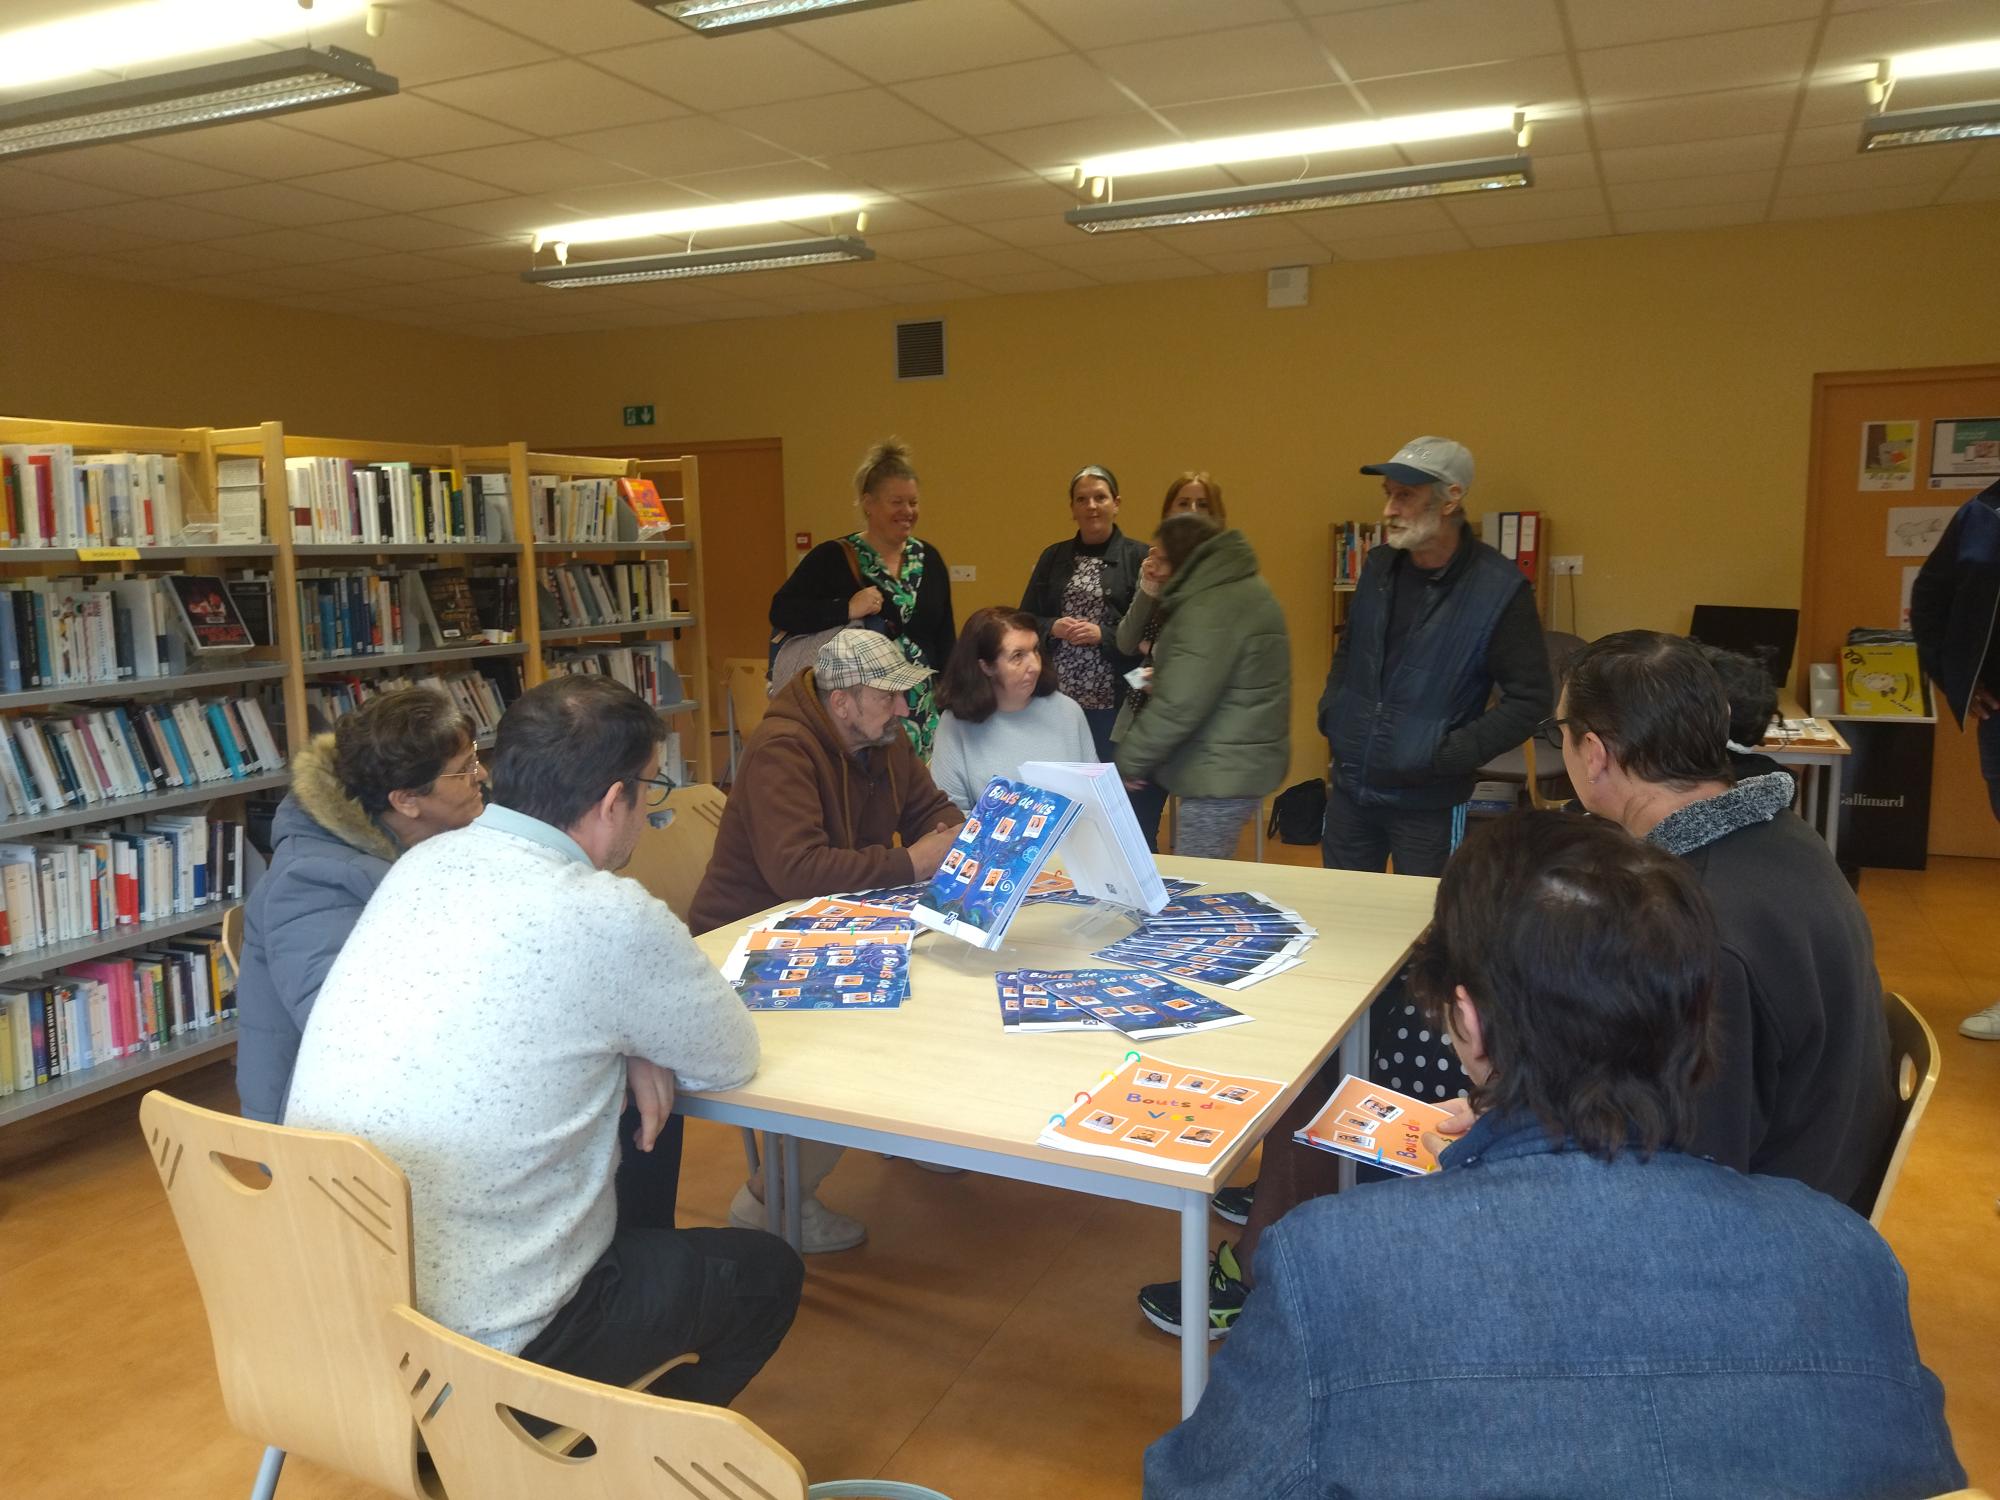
638 416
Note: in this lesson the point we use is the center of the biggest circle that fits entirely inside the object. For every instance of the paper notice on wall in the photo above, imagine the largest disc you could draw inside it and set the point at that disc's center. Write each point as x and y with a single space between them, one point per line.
1888 455
1914 529
1909 583
1965 454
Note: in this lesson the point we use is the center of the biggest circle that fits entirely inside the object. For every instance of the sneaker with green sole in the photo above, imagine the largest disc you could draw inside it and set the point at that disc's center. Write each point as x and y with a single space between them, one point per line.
1161 1302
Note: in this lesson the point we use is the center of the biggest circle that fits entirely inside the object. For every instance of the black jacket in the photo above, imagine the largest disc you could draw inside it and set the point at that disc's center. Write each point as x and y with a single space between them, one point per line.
1805 1084
1043 597
815 598
1415 739
1956 602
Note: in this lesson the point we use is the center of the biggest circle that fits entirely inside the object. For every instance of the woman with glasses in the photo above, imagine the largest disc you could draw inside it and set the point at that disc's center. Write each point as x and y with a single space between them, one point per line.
393 773
1078 593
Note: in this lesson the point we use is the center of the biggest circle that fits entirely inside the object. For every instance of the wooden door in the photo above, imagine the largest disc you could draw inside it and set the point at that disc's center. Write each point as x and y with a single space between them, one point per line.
1850 579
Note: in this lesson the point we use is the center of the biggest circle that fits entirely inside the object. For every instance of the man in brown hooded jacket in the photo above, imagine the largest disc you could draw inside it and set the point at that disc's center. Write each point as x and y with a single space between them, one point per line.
826 783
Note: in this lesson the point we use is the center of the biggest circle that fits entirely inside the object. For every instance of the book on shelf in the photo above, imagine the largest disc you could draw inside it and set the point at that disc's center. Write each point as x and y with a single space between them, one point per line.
483 695
607 593
96 1013
489 498
252 592
1517 536
206 614
141 869
596 510
641 499
337 501
85 755
52 496
448 595
239 500
646 667
1352 542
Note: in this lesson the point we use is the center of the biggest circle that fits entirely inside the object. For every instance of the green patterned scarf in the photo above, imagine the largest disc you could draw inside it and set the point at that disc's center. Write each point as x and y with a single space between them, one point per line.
901 590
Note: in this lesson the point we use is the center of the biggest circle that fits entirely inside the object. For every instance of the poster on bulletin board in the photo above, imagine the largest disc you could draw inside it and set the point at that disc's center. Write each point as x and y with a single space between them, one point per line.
1965 453
1889 455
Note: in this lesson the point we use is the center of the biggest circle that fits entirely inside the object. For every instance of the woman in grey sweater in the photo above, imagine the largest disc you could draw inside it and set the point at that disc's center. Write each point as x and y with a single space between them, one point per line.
1001 707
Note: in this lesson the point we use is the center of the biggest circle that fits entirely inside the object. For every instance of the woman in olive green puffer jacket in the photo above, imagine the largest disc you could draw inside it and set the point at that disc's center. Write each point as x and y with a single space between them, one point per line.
1215 729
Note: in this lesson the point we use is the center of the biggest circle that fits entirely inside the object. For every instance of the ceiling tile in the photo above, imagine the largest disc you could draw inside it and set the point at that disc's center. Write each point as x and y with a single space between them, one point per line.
1432 34
943 164
404 232
317 278
292 247
551 98
1387 246
74 233
1971 190
1693 117
1284 109
862 120
398 186
1693 192
1282 232
105 267
1867 201
982 264
1841 99
1615 23
1237 262
676 148
718 73
530 167
921 41
425 43
829 299
943 293
1867 36
162 219
1704 216
1218 64
210 257
25 191
1749 153
1589 226
1051 280
577 25
1093 252
926 244
403 125
1934 165
509 255
1177 269
247 288
404 267
1985 160
1006 200
504 218
1578 169
1365 221
1544 82
783 179
275 203
638 195
127 169
1019 95
1733 59
1056 148
1107 23
1534 204
1033 233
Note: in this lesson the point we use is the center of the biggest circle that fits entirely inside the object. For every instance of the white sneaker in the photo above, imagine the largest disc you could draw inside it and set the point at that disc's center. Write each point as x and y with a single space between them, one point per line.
1984 1027
821 1230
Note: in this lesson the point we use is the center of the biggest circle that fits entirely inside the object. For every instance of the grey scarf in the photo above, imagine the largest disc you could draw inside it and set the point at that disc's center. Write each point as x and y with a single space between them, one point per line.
1757 799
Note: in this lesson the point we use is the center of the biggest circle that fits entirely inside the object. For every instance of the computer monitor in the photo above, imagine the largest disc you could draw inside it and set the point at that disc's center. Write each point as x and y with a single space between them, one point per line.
1770 636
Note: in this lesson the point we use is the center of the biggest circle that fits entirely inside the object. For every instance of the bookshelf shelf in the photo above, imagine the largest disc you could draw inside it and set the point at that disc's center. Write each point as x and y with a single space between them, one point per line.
685 706
390 660
146 554
38 961
120 807
306 551
629 627
177 1056
623 549
145 687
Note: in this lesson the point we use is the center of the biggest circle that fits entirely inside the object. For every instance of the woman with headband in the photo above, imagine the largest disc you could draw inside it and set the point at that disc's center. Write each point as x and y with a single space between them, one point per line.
1079 592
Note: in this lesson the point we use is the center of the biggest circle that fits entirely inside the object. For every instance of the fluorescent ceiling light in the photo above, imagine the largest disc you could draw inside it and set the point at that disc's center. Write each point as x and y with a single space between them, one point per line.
270 83
1393 186
713 17
1933 62
111 41
1312 141
1931 127
801 209
772 257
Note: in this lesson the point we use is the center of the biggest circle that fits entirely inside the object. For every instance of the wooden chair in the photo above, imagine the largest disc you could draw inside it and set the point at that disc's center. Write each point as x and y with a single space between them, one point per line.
747 694
464 1395
232 938
670 861
1913 1053
299 1240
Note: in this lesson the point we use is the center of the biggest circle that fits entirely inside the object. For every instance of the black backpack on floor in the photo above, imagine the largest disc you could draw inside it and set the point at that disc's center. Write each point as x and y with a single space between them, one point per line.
1298 813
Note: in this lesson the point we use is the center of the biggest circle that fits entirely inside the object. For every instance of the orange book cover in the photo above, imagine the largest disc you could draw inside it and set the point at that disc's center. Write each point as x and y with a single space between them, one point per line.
1376 1125
1163 1114
642 498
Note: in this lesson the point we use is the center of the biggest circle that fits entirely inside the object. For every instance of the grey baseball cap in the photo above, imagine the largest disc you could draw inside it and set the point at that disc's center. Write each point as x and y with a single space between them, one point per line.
1428 460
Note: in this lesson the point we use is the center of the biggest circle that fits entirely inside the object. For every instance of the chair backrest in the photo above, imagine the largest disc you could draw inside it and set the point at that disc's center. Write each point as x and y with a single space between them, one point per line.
670 861
463 1396
1913 1057
749 693
300 1242
232 937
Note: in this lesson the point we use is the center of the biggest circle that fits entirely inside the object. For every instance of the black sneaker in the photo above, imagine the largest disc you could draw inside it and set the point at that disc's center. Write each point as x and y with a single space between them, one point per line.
1233 1203
1161 1302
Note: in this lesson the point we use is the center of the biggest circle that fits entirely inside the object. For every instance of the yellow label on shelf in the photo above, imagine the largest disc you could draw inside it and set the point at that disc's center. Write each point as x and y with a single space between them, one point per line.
107 554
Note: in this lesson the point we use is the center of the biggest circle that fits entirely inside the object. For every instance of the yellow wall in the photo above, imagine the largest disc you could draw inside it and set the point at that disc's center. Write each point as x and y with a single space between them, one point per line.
1651 395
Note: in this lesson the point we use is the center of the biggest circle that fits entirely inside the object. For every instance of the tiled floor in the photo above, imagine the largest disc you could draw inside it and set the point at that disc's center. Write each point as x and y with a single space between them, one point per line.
984 1341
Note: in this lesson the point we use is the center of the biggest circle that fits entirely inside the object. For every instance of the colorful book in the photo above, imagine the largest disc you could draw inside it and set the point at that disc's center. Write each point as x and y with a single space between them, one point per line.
1162 1114
1375 1125
990 866
1140 1004
207 615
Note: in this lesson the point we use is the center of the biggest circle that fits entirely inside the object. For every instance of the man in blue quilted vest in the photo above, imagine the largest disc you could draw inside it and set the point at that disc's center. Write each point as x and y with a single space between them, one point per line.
1439 620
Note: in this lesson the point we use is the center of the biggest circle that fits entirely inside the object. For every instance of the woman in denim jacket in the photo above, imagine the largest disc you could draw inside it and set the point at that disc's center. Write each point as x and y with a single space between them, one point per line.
1570 1307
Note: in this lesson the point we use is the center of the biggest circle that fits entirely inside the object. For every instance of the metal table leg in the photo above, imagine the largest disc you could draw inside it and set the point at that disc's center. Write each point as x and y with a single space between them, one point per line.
1353 1056
774 1182
794 1225
1194 1299
1833 806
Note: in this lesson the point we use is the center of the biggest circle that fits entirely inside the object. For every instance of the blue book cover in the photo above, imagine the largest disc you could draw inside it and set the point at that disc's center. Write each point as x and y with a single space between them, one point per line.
172 732
329 637
1142 1004
44 660
10 653
224 739
986 873
1026 1004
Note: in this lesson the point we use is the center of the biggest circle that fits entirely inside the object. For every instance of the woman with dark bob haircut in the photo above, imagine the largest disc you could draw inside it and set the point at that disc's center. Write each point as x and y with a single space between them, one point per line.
397 770
1001 707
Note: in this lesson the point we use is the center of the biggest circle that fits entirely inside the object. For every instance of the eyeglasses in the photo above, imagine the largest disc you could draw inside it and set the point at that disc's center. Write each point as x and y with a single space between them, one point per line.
663 787
1551 728
472 770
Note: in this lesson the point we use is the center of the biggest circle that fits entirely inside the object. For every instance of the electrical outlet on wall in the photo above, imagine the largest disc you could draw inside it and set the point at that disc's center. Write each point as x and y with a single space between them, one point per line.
964 573
1560 565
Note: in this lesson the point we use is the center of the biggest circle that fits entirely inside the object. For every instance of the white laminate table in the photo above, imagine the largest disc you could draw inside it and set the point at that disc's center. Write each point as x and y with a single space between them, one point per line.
1818 801
936 1080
